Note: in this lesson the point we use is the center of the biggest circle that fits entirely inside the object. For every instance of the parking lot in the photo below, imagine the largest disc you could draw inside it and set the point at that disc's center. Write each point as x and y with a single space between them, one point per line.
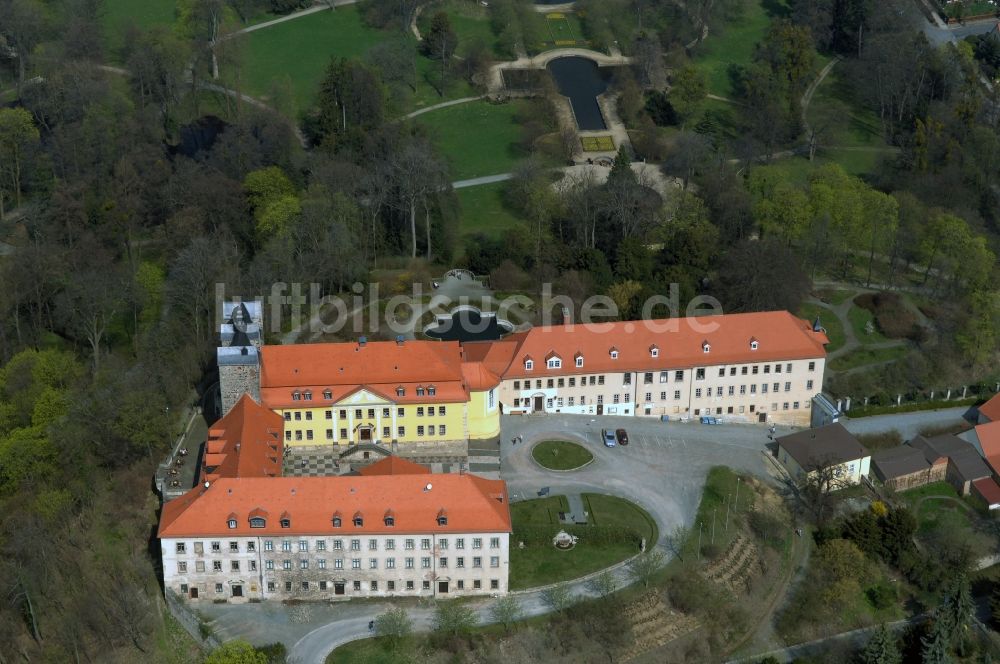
663 467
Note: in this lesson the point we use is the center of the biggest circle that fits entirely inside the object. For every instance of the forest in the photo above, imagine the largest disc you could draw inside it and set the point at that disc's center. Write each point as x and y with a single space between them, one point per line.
132 181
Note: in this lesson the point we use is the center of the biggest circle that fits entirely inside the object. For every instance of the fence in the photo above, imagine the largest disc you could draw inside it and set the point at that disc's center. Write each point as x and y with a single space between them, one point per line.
883 402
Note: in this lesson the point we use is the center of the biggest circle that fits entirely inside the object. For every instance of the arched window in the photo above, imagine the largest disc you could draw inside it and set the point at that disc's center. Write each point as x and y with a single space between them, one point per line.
327 394
258 522
431 390
296 395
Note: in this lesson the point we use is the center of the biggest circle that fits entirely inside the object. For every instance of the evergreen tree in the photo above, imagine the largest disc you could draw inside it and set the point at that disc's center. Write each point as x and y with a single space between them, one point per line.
440 41
881 648
957 611
935 644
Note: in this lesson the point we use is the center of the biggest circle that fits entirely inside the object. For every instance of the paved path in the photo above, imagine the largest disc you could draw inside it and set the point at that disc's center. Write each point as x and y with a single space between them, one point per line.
662 183
542 59
444 104
315 9
908 424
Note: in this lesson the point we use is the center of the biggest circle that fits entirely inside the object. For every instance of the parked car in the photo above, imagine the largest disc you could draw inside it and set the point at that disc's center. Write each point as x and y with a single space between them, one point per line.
609 438
622 436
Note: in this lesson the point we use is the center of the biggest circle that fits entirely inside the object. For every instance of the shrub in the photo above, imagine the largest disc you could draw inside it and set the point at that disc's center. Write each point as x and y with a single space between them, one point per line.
881 596
710 551
891 315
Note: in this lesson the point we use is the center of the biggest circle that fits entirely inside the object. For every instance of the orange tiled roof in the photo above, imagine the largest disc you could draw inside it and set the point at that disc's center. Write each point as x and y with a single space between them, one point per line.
245 443
343 368
680 342
394 465
991 409
478 377
472 505
989 443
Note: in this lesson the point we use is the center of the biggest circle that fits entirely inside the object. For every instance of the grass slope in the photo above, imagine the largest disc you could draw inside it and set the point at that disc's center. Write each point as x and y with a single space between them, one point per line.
478 138
301 50
484 210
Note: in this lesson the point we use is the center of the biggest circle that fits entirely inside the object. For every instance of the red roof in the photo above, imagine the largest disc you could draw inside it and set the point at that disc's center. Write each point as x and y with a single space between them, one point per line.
681 341
472 505
991 409
378 366
988 489
989 443
245 443
394 465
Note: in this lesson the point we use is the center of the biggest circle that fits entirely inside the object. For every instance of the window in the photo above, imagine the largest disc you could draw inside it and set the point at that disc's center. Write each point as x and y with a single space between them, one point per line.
743 371
678 375
268 564
677 394
181 547
776 387
199 566
303 564
442 562
373 545
385 412
743 389
329 414
477 542
216 565
425 563
409 545
788 387
425 544
494 584
431 391
426 585
343 414
461 584
309 415
298 416
441 430
755 369
477 584
286 564
288 434
649 396
788 368
561 382
216 547
663 376
809 384
390 521
390 563
286 523
338 545
358 521
571 400
697 393
699 374
517 384
722 372
400 392
336 524
338 563
371 413
777 368
355 563
654 351
420 411
322 585
409 585
763 388
663 396
441 410
401 431
309 435
460 562
355 545
296 396
327 394
408 563
706 348
647 378
627 379
357 586
579 361
615 399
399 412
443 543
357 413
234 547
494 561
442 519
767 368
182 568
460 543
812 366
494 542
305 585
529 365
600 380
732 389
420 430
477 561
718 391
430 430
554 363
329 434
343 433
784 406
373 563
753 345
268 545
270 586
218 587
614 354
298 435
795 405
549 383
753 389
288 416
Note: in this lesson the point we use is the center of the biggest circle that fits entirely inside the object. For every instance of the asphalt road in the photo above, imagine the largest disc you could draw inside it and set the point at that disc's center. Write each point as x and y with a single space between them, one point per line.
907 424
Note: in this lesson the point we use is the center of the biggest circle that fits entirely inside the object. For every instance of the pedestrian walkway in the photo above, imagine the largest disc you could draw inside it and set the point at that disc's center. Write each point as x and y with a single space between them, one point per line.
577 513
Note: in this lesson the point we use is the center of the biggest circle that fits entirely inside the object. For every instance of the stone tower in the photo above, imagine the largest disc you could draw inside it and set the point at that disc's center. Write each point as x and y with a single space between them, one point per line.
238 355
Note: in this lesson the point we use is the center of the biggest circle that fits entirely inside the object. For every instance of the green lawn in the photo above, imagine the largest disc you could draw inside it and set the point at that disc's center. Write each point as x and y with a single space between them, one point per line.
301 50
859 318
834 328
734 43
560 455
118 15
484 210
720 488
470 21
834 296
864 356
478 138
541 563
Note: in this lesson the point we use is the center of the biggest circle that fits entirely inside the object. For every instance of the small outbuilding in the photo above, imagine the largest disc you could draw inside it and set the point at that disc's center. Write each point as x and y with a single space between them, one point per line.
831 446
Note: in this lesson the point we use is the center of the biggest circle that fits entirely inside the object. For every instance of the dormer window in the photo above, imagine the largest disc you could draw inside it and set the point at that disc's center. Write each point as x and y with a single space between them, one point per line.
358 520
400 391
296 395
389 519
286 523
753 343
614 353
706 347
554 363
442 518
327 394
337 521
231 523
258 522
579 360
431 391
654 351
420 391
307 395
529 364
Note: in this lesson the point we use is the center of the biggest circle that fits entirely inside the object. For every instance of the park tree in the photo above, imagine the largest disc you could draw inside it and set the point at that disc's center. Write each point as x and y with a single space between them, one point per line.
22 29
156 60
350 99
644 566
396 61
789 50
817 489
272 200
625 295
687 91
762 275
89 304
558 597
506 611
236 652
419 173
454 618
18 136
604 584
881 648
935 647
977 337
394 625
957 612
440 43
